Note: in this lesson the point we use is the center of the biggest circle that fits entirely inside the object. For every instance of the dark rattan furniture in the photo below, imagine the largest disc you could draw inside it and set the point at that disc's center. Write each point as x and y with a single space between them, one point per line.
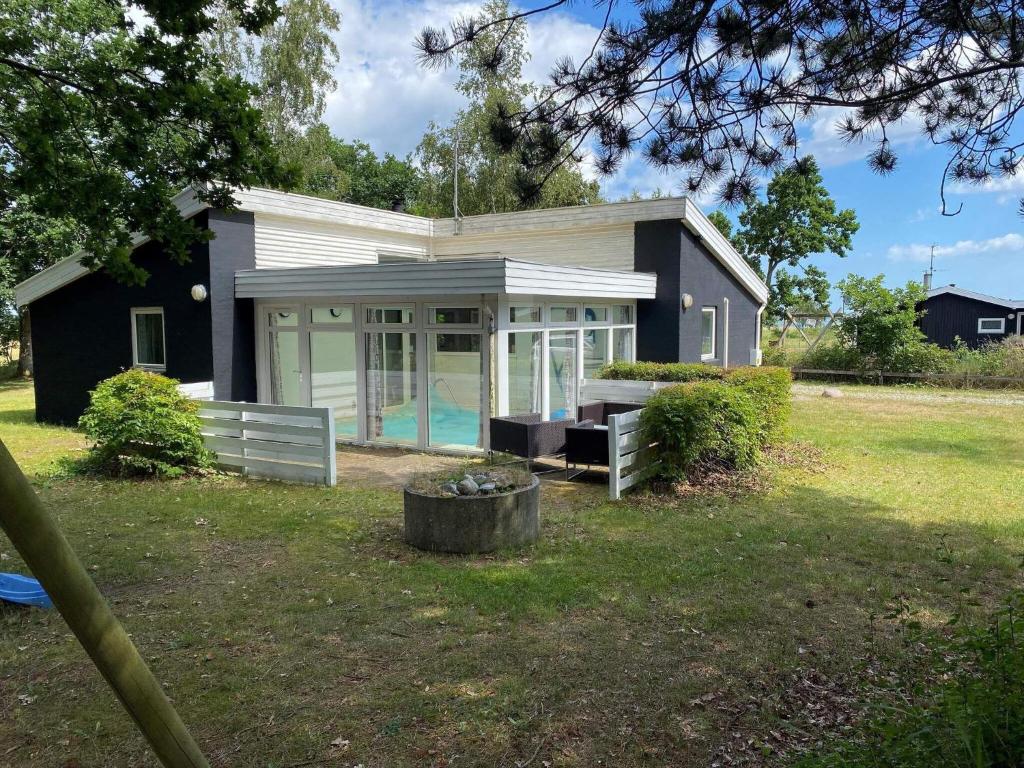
586 442
528 436
599 411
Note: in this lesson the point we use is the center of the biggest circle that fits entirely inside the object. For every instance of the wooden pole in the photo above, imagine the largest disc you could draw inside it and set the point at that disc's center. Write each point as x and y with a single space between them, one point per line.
38 539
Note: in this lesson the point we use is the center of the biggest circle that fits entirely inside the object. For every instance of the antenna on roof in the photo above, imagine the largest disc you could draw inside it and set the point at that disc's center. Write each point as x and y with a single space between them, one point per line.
455 201
931 270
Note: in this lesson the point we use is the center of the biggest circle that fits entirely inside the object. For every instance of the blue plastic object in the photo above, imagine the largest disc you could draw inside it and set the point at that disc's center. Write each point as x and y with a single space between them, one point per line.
24 590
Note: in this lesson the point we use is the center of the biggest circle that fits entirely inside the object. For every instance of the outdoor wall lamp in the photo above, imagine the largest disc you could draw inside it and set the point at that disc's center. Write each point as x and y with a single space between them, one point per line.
199 292
687 301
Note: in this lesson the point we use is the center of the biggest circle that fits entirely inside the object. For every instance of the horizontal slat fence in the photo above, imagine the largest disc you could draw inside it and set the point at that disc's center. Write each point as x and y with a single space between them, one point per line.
280 442
619 390
631 459
880 377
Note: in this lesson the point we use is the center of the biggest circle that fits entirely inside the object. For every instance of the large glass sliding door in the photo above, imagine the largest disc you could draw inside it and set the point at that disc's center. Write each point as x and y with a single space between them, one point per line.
562 377
392 388
333 364
455 369
524 373
286 382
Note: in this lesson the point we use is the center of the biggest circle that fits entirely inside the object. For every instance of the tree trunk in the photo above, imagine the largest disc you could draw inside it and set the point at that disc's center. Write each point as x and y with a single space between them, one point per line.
24 343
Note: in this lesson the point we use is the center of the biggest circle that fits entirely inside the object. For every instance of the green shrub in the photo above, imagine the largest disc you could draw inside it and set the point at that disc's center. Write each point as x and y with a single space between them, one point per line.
833 357
703 424
770 390
973 715
141 424
922 357
676 372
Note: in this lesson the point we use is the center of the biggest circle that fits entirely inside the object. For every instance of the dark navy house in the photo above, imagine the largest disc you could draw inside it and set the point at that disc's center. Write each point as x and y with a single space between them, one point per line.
952 314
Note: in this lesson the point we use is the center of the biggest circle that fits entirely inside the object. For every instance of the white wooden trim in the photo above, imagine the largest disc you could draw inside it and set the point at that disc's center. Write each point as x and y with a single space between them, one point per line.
725 332
631 459
281 442
723 250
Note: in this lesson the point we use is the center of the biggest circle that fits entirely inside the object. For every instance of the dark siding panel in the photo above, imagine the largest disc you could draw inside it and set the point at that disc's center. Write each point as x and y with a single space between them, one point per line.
234 347
666 333
948 316
81 334
704 277
656 249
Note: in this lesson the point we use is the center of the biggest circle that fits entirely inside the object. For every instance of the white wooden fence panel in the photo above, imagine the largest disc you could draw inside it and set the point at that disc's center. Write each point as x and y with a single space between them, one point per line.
631 459
619 391
281 442
199 390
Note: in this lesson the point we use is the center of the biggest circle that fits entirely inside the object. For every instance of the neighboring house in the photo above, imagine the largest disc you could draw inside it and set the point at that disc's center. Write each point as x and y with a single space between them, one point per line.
416 330
953 313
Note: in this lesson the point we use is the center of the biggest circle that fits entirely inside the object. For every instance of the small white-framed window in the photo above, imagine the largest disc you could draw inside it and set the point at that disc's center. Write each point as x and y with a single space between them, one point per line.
563 314
525 314
991 325
708 333
453 316
622 314
338 314
148 338
596 315
390 315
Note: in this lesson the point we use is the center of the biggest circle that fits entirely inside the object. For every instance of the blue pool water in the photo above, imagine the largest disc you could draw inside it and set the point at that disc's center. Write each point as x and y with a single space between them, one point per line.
450 424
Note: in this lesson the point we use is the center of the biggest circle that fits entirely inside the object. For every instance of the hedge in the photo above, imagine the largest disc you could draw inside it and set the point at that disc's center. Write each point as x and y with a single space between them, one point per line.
140 424
718 416
677 372
703 424
770 389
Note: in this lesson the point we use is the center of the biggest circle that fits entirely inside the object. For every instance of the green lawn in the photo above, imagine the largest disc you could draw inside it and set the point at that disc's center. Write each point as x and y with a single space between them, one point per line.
293 627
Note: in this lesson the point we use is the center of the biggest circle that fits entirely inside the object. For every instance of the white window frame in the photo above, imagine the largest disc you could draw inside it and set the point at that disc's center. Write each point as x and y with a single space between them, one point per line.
340 325
428 319
606 323
367 325
1000 320
522 324
714 333
577 323
136 311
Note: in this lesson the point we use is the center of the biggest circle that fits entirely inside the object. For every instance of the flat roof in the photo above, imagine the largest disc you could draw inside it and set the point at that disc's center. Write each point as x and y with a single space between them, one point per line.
439 278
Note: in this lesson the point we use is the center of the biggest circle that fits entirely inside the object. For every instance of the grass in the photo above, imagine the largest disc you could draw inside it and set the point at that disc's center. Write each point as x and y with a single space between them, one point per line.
293 627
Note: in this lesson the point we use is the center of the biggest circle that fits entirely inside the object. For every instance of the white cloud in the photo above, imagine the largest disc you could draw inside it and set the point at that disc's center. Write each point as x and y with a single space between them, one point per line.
1004 245
1002 184
822 139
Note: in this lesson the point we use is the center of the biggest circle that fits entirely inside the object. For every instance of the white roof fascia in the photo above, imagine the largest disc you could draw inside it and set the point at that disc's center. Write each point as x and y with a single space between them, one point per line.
273 203
70 269
723 250
439 278
952 289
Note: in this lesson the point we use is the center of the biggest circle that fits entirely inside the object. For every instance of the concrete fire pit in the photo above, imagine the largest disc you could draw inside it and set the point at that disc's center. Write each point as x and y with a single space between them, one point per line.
469 524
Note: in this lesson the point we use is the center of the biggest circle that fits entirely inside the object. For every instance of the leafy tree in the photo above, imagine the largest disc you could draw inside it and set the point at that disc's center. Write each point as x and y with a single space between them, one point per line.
353 173
719 89
290 65
880 322
104 119
29 243
797 219
722 223
492 181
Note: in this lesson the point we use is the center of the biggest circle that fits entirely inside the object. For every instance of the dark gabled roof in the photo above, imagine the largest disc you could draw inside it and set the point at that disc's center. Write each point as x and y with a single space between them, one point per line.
953 290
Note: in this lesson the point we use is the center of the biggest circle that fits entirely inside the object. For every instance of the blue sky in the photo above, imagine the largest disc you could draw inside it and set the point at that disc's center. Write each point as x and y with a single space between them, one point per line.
386 99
